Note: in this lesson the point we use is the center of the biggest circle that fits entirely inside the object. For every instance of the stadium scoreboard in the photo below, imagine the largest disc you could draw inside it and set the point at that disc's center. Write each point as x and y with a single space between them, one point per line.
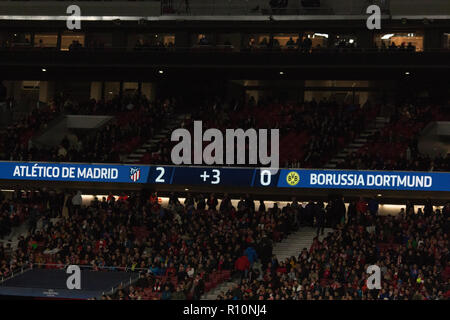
226 176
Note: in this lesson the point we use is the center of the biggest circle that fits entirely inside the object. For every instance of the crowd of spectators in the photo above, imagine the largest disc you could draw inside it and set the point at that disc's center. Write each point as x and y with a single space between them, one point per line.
135 122
136 119
392 47
301 44
142 45
183 250
188 241
395 147
411 249
14 141
23 207
310 132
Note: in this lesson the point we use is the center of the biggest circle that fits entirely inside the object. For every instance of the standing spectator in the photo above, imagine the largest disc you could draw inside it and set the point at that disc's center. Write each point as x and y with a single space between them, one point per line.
198 288
446 210
77 201
428 208
212 202
361 206
320 218
409 208
226 203
242 265
373 206
251 255
340 209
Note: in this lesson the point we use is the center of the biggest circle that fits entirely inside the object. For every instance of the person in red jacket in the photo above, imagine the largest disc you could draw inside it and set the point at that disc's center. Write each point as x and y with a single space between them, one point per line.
242 265
154 198
361 206
446 272
123 197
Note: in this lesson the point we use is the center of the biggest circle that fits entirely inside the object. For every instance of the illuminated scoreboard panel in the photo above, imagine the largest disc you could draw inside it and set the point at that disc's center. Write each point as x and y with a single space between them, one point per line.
301 178
242 177
226 176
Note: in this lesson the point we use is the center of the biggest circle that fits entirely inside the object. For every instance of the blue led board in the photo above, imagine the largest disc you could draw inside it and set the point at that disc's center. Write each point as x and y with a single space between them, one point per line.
226 176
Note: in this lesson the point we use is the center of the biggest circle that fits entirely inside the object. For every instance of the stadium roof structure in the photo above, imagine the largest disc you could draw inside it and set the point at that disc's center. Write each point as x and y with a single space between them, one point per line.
231 10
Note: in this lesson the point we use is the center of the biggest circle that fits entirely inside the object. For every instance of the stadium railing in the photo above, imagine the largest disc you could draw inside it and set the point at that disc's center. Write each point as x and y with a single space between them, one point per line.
14 273
222 48
213 280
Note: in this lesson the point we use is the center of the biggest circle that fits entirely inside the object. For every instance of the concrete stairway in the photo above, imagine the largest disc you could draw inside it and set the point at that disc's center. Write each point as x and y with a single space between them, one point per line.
295 242
291 246
377 125
13 237
152 144
223 287
22 230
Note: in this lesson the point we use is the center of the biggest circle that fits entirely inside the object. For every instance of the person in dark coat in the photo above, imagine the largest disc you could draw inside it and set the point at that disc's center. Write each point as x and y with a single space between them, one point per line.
320 218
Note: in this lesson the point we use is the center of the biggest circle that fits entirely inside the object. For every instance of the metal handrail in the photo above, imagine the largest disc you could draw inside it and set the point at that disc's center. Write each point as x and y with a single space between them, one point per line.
112 268
113 289
12 275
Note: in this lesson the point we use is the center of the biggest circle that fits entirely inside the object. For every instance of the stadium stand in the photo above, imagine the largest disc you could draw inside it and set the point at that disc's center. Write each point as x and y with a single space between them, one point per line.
135 120
87 179
411 249
159 240
185 250
396 147
311 133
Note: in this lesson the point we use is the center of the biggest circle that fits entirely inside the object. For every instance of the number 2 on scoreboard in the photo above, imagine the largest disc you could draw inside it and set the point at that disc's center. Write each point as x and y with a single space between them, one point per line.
161 175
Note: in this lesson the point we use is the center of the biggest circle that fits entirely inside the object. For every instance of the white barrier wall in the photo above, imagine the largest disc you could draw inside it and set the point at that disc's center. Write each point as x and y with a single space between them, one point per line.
384 209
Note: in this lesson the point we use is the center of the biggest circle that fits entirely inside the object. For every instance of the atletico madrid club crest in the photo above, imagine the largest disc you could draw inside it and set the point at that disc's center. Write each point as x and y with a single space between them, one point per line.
135 174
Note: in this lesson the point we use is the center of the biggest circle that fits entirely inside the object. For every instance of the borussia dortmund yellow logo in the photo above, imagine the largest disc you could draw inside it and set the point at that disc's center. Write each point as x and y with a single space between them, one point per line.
292 178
